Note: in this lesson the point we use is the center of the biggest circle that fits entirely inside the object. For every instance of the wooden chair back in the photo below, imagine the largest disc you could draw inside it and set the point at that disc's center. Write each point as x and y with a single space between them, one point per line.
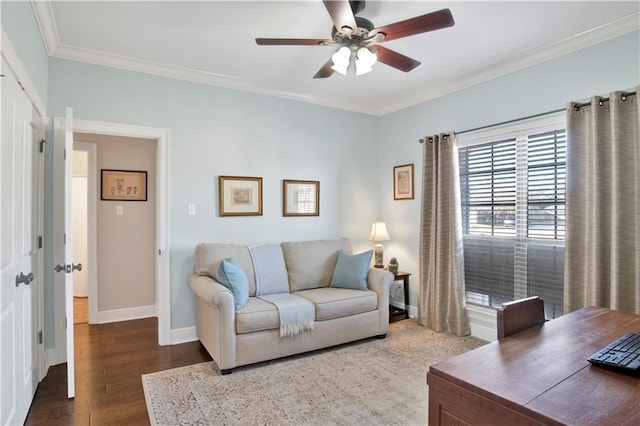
519 315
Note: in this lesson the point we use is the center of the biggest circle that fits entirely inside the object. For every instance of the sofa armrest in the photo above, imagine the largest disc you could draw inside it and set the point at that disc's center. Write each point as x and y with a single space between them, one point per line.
215 319
380 281
211 291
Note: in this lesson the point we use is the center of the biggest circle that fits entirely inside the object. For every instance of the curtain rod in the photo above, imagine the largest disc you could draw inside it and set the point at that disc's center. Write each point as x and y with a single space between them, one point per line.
623 96
542 114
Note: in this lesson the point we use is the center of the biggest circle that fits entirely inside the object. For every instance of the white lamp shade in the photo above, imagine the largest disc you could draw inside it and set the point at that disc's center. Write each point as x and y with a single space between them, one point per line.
379 231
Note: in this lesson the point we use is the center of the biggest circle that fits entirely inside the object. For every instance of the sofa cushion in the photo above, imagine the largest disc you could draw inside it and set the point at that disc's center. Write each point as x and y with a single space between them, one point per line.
339 302
270 270
231 275
351 270
209 256
257 315
310 264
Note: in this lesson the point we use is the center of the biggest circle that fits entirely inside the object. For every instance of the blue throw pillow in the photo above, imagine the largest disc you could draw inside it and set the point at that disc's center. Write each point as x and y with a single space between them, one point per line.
352 270
231 275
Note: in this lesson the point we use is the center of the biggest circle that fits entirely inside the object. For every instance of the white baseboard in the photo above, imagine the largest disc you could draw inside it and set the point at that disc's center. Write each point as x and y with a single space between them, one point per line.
51 358
127 314
413 311
183 335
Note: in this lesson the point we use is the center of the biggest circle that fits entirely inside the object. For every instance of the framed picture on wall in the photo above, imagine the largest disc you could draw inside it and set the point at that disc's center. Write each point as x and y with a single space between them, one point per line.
123 185
240 195
403 182
300 198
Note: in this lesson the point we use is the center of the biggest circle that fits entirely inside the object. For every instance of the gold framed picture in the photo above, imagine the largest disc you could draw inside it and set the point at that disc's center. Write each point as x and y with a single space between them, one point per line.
240 195
403 182
123 185
300 198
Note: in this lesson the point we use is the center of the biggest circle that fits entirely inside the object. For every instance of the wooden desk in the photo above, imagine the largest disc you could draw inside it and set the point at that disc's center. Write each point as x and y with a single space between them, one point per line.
539 376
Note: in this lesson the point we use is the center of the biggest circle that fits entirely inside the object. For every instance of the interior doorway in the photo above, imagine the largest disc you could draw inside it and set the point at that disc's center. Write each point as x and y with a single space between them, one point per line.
162 261
122 279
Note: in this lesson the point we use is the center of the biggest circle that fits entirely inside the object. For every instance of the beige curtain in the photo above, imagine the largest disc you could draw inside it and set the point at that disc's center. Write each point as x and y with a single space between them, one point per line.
441 290
602 253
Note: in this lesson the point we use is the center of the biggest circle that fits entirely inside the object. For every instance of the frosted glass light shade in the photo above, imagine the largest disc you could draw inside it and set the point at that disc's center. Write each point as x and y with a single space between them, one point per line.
365 61
341 60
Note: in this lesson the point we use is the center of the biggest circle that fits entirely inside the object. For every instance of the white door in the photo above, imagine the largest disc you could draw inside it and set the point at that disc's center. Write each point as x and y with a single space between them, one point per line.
19 373
63 235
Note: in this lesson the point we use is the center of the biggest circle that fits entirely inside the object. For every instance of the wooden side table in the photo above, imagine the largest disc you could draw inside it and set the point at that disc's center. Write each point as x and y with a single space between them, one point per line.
393 311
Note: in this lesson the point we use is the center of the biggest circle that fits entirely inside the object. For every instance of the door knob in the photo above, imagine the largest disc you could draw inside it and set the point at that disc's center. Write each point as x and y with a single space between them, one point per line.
68 268
26 279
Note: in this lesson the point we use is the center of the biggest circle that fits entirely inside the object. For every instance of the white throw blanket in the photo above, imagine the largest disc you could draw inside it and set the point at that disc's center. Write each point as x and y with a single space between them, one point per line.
270 269
296 313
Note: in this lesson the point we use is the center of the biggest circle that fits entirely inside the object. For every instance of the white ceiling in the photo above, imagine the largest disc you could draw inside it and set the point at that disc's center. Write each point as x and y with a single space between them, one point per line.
213 42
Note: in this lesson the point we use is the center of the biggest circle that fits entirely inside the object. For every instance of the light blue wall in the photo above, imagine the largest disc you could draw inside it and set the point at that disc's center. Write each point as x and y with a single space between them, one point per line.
216 131
19 23
597 70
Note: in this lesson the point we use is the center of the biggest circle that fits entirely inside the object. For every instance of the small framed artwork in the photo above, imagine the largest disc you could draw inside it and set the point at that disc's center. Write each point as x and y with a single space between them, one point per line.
403 182
300 198
123 185
240 195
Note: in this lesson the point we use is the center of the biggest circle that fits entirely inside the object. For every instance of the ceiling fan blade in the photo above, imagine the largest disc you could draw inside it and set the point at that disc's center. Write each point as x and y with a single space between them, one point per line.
341 14
293 41
419 24
395 59
325 71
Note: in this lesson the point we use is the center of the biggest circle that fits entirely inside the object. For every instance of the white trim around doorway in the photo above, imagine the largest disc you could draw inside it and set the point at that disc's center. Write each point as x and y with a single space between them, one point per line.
163 267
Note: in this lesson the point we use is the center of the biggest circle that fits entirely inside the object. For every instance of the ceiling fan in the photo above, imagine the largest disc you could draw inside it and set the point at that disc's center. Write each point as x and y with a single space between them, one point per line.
358 37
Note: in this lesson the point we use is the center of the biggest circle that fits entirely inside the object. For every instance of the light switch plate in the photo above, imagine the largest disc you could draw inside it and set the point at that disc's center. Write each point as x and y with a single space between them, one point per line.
119 210
191 209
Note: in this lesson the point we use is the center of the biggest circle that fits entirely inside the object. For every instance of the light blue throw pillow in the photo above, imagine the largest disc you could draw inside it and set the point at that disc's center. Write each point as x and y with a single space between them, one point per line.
352 270
231 275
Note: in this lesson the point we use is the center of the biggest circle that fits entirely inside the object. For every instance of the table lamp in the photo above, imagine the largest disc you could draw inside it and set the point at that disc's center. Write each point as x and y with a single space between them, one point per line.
379 233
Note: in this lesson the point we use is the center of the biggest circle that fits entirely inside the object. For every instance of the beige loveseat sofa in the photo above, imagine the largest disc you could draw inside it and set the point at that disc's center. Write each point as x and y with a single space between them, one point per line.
252 334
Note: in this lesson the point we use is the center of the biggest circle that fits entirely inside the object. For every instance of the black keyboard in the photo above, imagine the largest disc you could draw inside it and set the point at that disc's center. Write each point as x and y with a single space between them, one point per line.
622 355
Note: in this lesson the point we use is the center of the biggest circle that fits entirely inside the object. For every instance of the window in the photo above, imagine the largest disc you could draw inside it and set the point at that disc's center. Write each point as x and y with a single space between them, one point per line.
512 191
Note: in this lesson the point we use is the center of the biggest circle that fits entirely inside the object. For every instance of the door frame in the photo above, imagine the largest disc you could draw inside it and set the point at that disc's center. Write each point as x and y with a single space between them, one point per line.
92 221
163 266
39 123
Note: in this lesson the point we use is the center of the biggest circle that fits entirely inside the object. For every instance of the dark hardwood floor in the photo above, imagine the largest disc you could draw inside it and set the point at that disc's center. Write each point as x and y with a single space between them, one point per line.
110 359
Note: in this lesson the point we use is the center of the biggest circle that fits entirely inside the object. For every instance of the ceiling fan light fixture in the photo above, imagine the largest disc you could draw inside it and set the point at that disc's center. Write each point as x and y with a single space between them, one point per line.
341 60
365 61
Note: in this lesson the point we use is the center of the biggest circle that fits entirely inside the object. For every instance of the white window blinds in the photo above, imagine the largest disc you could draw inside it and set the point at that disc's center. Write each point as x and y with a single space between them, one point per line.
513 215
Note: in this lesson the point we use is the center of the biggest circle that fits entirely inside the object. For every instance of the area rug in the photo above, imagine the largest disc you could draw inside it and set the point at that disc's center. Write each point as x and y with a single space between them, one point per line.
370 382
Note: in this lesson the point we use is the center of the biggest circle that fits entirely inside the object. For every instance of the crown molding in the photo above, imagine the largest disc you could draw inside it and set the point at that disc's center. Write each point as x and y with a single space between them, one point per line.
574 43
179 73
46 23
